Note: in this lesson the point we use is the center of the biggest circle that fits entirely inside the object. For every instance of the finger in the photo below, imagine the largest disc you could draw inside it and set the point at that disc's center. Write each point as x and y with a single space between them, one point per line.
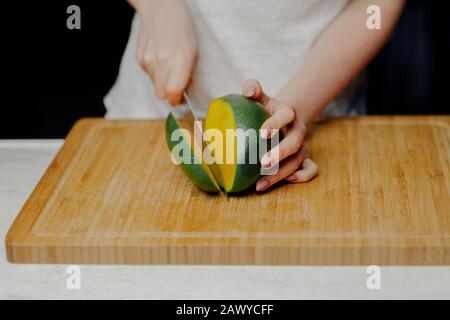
288 146
175 99
252 89
146 60
160 81
140 56
281 118
284 131
149 69
308 171
286 169
177 82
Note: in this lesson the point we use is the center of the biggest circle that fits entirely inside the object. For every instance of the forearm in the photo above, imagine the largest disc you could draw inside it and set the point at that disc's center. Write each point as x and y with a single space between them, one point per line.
340 53
137 4
140 5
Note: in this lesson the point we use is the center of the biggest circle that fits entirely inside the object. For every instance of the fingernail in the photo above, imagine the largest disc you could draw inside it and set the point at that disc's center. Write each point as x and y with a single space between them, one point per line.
266 133
292 178
262 185
249 92
266 162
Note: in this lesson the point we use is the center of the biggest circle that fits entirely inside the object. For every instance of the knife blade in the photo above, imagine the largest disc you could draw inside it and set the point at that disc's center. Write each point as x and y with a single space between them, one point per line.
213 167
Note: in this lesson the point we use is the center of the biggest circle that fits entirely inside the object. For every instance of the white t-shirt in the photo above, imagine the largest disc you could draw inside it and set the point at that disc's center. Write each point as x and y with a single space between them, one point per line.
266 40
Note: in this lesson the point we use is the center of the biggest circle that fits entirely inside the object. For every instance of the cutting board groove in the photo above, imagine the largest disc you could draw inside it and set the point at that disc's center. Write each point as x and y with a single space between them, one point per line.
113 196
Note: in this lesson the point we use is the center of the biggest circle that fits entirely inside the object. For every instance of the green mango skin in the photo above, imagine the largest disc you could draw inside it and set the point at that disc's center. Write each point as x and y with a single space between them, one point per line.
193 170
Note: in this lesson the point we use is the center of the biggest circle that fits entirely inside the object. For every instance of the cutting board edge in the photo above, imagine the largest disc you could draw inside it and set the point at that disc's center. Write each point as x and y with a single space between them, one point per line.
226 255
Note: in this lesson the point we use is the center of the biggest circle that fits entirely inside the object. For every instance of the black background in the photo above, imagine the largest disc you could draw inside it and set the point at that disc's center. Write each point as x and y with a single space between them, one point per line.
54 76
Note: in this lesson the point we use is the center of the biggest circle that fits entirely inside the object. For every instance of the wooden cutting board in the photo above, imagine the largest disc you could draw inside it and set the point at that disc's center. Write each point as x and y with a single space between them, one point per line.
113 196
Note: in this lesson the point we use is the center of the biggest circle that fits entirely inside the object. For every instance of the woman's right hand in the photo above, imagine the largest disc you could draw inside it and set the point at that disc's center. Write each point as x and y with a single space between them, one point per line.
167 45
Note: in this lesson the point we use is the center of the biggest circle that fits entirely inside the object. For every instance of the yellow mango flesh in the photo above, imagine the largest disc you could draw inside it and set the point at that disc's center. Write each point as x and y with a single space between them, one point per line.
220 117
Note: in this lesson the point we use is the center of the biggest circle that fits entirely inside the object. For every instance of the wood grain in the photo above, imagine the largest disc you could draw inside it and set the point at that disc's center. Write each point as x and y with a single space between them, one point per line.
113 196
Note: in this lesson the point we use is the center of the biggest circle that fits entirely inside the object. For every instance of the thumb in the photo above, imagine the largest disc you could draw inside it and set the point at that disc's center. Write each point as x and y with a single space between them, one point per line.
178 80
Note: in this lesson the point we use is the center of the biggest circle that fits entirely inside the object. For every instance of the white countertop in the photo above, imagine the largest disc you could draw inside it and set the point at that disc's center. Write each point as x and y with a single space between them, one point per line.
23 162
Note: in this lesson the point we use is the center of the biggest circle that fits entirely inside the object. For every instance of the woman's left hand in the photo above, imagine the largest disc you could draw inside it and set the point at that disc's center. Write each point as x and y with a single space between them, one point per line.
290 153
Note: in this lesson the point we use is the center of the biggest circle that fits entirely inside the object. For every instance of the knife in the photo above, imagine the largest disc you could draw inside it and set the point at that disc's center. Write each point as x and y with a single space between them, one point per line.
217 175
